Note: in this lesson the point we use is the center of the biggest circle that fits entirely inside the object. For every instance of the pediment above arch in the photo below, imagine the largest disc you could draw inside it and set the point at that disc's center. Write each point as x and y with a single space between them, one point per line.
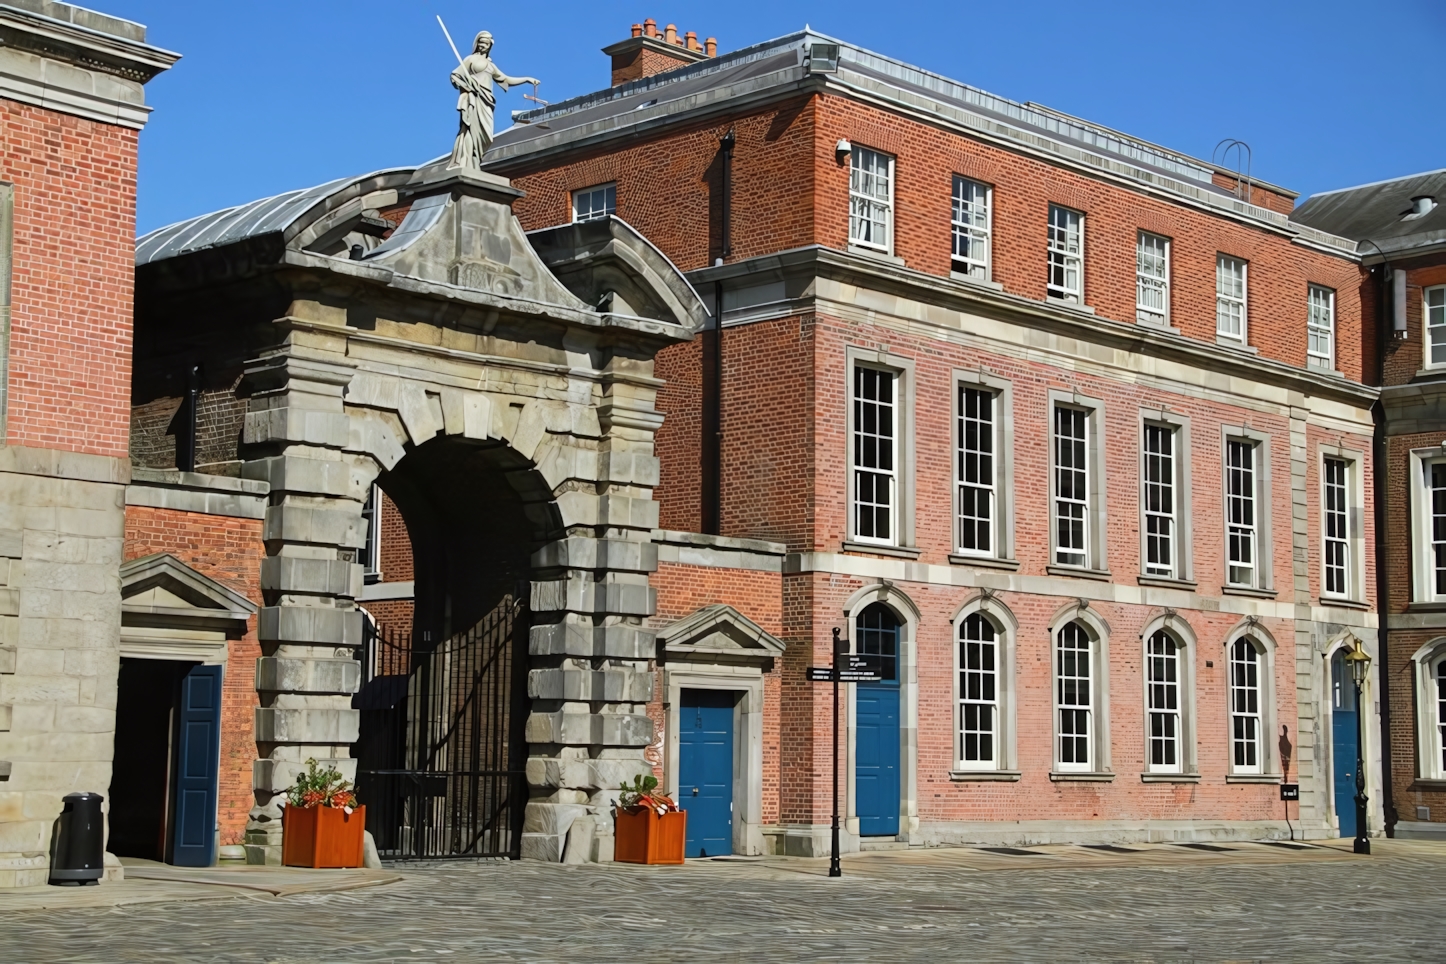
719 634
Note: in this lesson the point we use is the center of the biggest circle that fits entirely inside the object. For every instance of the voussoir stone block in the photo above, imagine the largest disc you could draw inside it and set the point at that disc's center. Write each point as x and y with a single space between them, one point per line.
421 414
278 674
310 624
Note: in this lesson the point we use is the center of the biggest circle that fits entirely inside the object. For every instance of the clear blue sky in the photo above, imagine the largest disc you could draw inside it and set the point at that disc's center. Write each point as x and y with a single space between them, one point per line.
278 95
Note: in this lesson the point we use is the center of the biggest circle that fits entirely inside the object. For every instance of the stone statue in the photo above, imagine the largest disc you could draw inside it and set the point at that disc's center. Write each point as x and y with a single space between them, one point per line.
474 77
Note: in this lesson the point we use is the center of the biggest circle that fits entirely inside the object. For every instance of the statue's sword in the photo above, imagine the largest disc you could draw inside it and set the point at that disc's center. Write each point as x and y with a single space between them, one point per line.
448 35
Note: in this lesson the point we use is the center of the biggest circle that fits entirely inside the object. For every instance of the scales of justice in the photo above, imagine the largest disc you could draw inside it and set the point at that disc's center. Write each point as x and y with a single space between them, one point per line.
476 100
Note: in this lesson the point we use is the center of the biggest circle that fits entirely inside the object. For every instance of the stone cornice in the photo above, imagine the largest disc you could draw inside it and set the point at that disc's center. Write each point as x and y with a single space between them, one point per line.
977 299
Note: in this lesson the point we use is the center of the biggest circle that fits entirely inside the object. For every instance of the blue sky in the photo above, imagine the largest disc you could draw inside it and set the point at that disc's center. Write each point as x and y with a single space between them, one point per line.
278 95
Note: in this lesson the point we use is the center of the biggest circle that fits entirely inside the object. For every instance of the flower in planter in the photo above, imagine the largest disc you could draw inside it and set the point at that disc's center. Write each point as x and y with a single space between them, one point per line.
318 787
643 792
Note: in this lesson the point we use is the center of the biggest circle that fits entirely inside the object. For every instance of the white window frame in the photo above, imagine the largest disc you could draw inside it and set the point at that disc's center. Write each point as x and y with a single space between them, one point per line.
372 516
1429 663
1182 555
1094 503
1243 714
1228 302
1160 499
1428 581
1096 693
883 439
1152 274
977 469
1433 326
972 220
609 201
1066 253
871 210
901 538
1165 698
1337 568
1320 327
1069 699
1261 576
980 687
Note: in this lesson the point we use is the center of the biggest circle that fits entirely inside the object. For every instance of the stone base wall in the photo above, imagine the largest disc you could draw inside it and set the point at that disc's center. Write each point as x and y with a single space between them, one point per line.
61 526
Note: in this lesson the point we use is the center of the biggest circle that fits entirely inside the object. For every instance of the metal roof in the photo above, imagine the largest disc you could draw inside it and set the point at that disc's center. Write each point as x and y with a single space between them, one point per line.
1378 213
272 215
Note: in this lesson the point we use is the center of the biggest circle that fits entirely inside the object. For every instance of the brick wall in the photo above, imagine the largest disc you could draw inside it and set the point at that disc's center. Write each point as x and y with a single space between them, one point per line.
73 279
230 551
1407 356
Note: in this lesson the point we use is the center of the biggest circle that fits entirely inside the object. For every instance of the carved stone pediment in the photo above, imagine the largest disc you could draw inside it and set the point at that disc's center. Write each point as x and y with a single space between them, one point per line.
171 611
719 634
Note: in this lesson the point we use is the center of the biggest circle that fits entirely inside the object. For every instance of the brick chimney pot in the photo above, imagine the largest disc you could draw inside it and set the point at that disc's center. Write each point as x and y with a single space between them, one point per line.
637 30
650 27
711 46
670 34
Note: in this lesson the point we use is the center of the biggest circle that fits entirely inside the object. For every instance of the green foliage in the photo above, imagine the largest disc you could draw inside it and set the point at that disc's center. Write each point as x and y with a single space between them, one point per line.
320 787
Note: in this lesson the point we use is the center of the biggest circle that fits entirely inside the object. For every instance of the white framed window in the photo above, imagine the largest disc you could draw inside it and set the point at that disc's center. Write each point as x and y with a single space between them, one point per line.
1321 327
979 693
1436 528
1433 313
1162 548
1242 516
1429 663
1163 683
1071 486
871 199
594 203
1152 279
1074 683
875 455
372 519
1438 703
1247 754
977 471
972 224
1338 568
1230 301
1066 253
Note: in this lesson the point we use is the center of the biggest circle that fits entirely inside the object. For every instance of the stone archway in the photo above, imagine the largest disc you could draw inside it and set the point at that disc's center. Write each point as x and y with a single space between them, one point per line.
452 330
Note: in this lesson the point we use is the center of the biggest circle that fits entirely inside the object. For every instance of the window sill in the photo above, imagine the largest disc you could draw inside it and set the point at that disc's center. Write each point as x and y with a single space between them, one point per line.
1100 575
1161 326
1426 607
1254 778
1068 303
984 562
1334 603
1248 591
1164 582
1237 344
900 552
969 279
1169 778
984 776
876 254
1318 370
1058 776
1429 783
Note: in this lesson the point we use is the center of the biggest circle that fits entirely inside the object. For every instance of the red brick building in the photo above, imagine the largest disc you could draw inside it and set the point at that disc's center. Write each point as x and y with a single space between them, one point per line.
1073 429
1400 226
72 105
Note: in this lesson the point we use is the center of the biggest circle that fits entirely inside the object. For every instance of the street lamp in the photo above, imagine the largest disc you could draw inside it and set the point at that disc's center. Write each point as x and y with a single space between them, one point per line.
1360 664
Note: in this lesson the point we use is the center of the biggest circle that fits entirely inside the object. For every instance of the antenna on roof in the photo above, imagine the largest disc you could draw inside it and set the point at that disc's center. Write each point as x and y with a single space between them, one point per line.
1242 154
448 35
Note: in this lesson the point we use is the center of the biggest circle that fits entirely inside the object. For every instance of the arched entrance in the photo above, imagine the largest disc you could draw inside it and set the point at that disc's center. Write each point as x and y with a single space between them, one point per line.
876 722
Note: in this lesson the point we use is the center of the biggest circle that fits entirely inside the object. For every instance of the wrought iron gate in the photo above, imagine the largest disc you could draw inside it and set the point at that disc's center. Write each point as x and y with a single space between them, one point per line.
440 754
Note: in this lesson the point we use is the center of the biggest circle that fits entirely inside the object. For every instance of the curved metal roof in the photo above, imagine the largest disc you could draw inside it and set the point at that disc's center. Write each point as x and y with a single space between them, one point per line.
271 215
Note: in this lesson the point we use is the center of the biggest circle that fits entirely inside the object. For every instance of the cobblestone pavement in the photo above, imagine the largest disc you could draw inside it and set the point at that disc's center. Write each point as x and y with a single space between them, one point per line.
1162 903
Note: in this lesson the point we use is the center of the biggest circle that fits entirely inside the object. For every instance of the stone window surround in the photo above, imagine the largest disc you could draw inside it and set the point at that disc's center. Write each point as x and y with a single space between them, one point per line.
1095 515
1424 666
904 456
1419 460
1264 544
1184 487
1187 651
1003 389
909 620
1006 632
1099 633
1355 524
1265 646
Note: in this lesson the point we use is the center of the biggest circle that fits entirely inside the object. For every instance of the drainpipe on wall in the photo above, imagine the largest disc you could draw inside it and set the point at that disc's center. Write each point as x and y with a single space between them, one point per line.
713 481
1380 475
186 457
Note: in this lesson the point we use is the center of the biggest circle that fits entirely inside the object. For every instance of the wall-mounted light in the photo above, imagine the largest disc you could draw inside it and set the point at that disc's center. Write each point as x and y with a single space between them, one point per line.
843 149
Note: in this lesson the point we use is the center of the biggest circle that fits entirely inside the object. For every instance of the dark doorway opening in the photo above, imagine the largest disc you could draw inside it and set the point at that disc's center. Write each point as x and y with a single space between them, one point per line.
142 777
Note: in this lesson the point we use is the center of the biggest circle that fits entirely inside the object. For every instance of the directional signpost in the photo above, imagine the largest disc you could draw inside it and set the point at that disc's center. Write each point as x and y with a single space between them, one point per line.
847 668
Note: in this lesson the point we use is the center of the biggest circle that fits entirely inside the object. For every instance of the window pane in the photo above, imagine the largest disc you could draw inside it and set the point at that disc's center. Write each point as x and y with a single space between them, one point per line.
1159 498
876 633
1245 707
1230 297
1071 485
1436 482
1152 275
1073 690
1320 327
870 197
1434 306
1163 696
971 228
1066 253
1240 524
975 471
1336 568
873 454
593 203
978 692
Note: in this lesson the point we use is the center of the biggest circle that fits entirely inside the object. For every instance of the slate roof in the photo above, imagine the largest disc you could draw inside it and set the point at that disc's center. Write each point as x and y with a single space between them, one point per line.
1377 213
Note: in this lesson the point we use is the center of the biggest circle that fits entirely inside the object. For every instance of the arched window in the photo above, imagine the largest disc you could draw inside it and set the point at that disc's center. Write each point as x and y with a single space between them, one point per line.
1074 699
979 679
877 634
1440 722
1246 752
1163 689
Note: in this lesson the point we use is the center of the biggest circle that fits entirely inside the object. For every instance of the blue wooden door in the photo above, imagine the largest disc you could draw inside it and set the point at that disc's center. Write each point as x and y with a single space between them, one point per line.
1343 744
705 770
198 749
876 758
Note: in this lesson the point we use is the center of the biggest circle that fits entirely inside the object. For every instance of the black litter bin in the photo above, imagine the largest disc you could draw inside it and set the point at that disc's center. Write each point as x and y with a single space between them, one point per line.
78 854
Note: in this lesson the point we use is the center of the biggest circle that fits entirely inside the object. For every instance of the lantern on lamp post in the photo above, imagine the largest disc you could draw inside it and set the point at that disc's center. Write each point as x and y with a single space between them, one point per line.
1360 665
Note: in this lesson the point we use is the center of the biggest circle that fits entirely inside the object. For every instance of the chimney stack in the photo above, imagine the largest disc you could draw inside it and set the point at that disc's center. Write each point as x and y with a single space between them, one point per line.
649 51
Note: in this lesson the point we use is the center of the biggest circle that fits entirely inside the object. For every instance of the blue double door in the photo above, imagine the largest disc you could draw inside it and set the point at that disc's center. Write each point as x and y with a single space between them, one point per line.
705 769
876 758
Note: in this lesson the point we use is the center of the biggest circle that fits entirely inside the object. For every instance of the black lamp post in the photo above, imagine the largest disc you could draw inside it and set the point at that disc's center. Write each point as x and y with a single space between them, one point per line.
1360 664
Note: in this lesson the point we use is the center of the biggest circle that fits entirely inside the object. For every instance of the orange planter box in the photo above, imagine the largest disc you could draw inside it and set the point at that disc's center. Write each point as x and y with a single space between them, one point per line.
322 836
644 837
